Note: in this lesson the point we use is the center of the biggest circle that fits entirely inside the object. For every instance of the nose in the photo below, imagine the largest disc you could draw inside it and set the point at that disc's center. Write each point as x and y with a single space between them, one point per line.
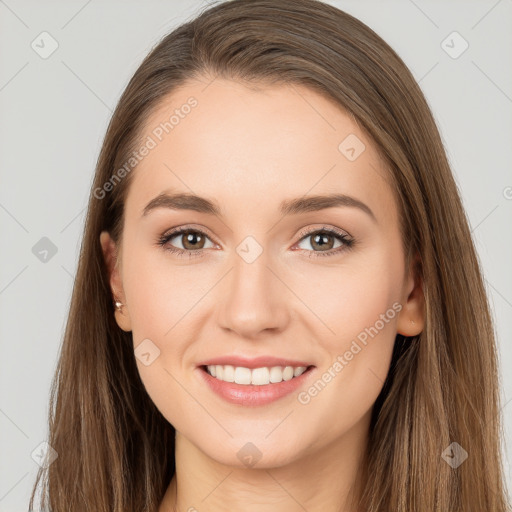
252 299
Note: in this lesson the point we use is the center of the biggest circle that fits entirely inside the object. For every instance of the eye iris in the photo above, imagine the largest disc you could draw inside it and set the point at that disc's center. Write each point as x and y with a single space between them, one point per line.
192 237
319 239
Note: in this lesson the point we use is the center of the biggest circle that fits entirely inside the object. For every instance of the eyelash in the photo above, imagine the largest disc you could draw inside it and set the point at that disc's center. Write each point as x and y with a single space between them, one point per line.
347 241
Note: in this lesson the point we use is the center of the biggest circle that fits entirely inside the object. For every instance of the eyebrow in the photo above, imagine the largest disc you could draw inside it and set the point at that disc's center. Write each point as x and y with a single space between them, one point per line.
187 201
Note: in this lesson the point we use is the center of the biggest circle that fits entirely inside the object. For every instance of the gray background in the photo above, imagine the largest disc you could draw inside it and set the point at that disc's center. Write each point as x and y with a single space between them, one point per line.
54 113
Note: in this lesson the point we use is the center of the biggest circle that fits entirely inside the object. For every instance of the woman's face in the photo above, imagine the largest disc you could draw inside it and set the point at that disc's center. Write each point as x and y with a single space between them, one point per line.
261 276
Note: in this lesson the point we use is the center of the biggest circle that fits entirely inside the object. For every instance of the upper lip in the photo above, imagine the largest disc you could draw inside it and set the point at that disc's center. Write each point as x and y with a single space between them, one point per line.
256 362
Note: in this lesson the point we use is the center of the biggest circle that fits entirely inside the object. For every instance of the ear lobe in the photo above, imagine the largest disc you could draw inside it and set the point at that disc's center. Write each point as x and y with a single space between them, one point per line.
411 320
110 256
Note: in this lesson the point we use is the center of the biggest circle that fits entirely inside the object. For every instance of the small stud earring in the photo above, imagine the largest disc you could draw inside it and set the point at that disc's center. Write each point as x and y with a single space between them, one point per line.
119 305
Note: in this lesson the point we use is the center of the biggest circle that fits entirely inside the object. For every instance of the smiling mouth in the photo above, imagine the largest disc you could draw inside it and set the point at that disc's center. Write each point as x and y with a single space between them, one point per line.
255 376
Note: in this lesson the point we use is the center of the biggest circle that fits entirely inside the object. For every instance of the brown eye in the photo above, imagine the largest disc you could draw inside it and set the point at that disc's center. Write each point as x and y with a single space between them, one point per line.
323 242
185 241
192 240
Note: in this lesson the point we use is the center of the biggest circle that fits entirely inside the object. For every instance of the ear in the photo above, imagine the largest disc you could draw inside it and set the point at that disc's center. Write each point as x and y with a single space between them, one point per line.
411 319
110 255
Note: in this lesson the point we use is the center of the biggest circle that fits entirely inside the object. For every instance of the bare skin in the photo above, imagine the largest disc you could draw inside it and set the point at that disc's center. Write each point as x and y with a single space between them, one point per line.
249 150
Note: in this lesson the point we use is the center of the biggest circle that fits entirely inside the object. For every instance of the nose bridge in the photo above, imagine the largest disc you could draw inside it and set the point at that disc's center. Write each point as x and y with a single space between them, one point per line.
252 298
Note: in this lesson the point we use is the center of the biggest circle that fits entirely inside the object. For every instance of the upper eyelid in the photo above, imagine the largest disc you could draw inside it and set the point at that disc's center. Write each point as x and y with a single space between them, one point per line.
331 229
302 234
179 231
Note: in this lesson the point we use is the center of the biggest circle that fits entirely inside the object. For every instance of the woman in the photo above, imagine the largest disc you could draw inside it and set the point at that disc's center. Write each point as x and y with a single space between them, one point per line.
278 304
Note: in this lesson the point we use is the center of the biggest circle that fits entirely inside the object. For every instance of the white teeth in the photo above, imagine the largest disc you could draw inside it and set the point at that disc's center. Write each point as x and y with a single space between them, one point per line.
242 375
299 371
276 374
260 376
229 373
288 373
256 376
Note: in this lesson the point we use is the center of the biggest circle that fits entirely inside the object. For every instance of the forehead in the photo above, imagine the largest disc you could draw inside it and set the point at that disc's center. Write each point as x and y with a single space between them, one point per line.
255 146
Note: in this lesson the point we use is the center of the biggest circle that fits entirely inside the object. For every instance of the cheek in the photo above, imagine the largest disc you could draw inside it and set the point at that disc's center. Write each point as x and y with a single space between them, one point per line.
165 306
161 298
352 297
359 306
159 291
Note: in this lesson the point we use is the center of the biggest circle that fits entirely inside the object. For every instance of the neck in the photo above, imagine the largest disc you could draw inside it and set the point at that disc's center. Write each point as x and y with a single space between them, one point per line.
324 478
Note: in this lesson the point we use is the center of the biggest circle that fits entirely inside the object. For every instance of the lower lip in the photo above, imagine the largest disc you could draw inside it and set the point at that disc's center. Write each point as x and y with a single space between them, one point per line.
250 394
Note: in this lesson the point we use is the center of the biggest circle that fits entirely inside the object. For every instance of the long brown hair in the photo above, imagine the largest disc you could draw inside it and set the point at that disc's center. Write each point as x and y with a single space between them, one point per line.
116 450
